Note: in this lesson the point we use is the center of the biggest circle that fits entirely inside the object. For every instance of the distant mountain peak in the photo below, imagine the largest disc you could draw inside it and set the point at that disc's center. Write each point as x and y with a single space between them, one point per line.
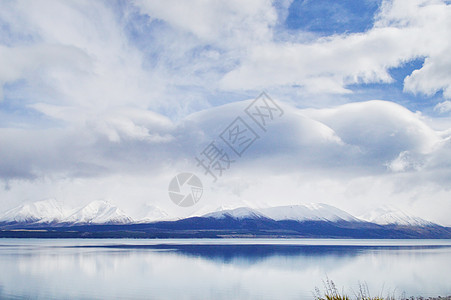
43 211
99 212
151 213
50 211
237 213
388 214
308 212
302 212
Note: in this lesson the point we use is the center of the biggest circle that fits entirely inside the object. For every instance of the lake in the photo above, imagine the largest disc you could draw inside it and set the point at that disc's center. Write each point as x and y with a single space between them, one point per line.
219 268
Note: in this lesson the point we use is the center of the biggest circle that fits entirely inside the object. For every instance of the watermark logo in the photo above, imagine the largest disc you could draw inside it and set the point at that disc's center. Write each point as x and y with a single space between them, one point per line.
239 136
185 189
263 110
218 156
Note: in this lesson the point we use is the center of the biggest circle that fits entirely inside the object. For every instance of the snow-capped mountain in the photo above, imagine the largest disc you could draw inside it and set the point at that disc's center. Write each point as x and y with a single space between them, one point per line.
308 212
44 211
99 212
150 213
389 215
237 213
50 211
102 212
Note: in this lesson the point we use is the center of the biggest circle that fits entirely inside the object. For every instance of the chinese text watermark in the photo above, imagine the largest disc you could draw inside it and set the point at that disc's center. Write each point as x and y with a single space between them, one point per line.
238 137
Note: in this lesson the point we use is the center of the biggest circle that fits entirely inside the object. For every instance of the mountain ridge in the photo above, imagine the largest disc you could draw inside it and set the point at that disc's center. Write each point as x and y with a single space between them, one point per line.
387 214
52 212
99 212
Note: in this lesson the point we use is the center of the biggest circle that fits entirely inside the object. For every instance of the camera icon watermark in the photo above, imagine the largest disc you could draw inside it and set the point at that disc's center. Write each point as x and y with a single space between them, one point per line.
185 189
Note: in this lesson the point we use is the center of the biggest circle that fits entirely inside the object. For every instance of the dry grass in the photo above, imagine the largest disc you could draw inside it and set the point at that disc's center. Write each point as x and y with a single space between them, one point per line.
331 293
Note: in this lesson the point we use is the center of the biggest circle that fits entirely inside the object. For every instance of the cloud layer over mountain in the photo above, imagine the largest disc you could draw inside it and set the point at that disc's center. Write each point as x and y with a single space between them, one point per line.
109 101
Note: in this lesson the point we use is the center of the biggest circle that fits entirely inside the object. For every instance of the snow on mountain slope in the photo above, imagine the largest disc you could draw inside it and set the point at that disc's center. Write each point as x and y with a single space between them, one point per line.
151 213
44 211
99 212
103 212
312 212
237 213
308 212
391 215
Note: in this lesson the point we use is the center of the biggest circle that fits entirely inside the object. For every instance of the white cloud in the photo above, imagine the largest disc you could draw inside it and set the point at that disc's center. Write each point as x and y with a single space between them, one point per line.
219 22
379 125
403 31
31 62
98 106
404 162
326 65
443 107
320 155
92 62
203 46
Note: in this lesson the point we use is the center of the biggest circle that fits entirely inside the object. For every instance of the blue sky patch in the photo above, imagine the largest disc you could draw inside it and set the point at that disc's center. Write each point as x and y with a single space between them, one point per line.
328 17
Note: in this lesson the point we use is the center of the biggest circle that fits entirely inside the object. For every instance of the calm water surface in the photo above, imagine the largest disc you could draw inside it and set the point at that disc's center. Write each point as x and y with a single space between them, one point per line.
219 269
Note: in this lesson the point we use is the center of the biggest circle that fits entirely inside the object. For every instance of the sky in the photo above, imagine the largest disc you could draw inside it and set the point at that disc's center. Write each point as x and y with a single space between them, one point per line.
109 100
